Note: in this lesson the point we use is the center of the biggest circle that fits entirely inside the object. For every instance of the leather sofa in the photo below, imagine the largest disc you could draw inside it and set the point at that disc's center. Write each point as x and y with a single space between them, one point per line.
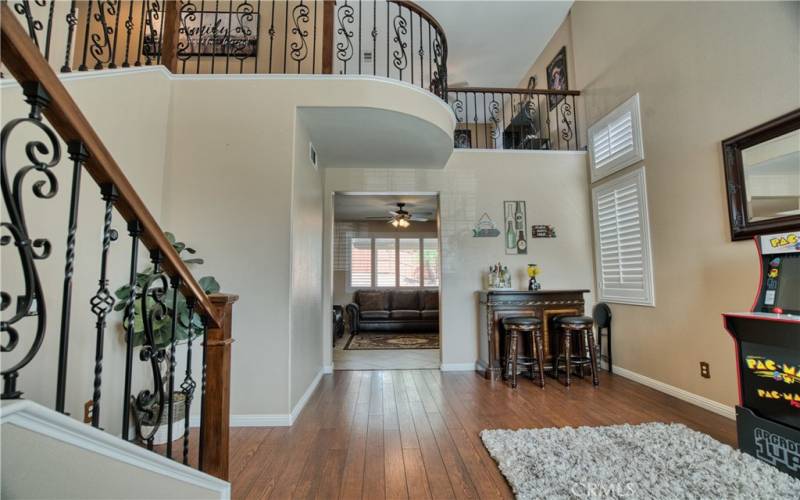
392 310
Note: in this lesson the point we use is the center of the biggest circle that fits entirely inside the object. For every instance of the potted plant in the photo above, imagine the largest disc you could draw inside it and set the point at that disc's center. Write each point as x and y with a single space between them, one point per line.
162 329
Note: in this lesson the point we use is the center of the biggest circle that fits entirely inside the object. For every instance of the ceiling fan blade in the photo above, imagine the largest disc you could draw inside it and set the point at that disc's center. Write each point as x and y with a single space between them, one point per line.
419 219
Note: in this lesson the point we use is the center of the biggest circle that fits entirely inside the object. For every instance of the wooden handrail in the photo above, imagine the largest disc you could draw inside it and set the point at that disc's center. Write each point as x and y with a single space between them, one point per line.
26 63
503 90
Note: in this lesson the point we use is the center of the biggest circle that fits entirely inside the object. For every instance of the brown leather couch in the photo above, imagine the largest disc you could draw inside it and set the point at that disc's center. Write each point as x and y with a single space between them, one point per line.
392 310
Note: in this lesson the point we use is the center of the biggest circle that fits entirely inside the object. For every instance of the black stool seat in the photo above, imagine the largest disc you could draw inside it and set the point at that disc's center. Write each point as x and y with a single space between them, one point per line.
522 321
575 320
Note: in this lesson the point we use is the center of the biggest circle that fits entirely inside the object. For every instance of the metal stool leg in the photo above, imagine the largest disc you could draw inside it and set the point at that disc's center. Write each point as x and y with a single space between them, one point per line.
593 356
537 343
567 353
507 360
514 339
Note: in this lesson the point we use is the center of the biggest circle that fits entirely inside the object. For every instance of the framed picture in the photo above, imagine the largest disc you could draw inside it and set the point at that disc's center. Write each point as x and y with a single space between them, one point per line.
462 138
515 222
211 33
557 76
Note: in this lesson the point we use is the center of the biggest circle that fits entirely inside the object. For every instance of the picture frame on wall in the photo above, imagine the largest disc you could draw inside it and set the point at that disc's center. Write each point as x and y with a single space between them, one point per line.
557 77
515 222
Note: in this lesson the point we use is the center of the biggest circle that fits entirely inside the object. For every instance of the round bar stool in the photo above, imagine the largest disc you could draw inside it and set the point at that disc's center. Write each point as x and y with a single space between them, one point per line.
531 327
583 328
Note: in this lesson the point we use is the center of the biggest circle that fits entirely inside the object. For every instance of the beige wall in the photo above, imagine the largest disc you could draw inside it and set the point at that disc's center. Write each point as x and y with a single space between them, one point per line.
704 72
473 182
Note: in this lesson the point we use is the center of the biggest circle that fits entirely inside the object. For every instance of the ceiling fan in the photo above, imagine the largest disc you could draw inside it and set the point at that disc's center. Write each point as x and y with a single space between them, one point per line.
401 218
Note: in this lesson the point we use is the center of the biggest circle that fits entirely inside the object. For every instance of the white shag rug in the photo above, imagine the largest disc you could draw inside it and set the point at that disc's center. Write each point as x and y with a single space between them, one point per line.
654 460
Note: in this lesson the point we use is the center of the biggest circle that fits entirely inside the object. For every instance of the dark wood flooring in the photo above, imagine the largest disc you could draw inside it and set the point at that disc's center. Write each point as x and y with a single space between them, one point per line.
414 433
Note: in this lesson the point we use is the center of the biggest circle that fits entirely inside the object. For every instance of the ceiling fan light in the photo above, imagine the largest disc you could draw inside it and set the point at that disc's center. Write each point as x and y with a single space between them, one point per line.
404 223
395 222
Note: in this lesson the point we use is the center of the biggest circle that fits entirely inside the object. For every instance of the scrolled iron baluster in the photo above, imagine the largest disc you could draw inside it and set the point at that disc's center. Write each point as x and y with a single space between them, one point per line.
113 59
42 157
437 82
101 42
299 50
49 30
344 50
188 385
72 21
148 406
566 122
458 108
175 282
494 110
23 8
153 15
400 26
244 14
128 32
201 441
102 302
187 13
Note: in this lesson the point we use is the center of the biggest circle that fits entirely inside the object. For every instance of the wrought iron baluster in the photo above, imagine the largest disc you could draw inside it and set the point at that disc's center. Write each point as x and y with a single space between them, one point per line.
23 8
113 63
201 445
33 299
494 109
188 385
258 34
72 21
271 33
399 59
200 36
313 42
142 42
153 15
148 406
285 36
49 30
421 53
135 231
411 43
102 41
78 155
344 50
128 31
88 29
175 282
360 49
374 34
187 14
299 49
214 34
228 49
103 301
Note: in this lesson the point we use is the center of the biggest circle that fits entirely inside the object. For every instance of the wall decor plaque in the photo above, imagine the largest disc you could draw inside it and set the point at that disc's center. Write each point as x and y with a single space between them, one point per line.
543 231
485 228
515 222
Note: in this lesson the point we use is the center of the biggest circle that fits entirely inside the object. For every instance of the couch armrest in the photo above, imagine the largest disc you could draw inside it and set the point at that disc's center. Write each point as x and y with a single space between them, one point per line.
354 314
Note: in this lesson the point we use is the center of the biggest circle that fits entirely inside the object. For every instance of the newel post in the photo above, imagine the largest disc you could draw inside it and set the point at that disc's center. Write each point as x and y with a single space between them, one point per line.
169 38
215 419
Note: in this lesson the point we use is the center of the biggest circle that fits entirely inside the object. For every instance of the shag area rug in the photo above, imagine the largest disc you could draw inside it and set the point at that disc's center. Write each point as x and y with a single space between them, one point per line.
654 460
371 341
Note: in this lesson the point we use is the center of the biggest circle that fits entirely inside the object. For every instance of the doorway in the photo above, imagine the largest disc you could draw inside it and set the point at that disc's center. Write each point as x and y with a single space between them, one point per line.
386 281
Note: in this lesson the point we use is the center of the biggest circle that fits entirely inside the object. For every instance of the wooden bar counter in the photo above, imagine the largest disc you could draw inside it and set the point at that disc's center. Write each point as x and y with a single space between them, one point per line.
543 304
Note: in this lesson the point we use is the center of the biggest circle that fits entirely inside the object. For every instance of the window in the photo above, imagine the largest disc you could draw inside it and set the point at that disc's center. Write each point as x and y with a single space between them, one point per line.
360 262
398 262
615 141
622 240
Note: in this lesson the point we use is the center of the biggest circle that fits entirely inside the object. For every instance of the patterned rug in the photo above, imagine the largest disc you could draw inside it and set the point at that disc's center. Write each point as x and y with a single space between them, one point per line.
654 460
373 341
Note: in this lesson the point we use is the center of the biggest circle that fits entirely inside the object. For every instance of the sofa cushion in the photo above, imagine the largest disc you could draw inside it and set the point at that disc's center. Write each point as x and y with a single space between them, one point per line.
432 314
370 315
404 314
406 301
372 300
430 300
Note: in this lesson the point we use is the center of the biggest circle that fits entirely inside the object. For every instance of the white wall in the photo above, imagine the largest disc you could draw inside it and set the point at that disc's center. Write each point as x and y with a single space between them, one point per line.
553 183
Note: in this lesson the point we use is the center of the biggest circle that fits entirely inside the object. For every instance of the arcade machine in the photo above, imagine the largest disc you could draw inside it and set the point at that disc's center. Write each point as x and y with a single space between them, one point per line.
768 356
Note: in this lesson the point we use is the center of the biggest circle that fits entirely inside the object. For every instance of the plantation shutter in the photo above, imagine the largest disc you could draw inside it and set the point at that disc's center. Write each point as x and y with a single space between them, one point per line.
430 261
409 262
622 240
360 262
385 262
615 140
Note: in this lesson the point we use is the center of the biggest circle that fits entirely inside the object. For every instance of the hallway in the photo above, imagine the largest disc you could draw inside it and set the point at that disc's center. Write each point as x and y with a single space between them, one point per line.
414 433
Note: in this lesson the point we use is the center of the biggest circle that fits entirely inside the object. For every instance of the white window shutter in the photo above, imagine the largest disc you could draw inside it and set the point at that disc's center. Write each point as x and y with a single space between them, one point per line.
622 240
615 141
360 263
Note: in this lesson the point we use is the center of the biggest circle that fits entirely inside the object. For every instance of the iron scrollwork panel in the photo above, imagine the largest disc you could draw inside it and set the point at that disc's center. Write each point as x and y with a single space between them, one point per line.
43 155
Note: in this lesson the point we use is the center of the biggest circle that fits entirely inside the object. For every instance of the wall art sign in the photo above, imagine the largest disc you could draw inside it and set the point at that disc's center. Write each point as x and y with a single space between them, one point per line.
210 33
543 231
557 76
515 222
462 139
485 228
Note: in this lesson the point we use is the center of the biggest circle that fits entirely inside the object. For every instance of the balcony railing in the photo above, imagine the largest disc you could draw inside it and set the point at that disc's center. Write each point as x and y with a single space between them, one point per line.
390 38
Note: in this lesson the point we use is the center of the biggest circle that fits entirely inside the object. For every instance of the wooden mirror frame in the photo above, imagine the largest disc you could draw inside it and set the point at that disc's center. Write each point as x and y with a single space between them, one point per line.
741 228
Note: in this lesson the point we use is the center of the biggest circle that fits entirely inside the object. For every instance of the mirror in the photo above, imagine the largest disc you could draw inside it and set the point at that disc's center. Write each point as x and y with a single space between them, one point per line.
762 170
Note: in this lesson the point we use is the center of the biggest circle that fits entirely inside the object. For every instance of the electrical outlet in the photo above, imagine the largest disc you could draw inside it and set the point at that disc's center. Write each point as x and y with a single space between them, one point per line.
88 408
705 370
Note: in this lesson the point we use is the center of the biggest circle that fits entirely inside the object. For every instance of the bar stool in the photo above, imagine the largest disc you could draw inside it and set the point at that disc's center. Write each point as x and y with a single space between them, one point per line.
583 326
602 319
531 327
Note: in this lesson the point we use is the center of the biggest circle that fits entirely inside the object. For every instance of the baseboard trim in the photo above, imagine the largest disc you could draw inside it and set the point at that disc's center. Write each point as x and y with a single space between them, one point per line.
689 397
301 403
327 369
457 367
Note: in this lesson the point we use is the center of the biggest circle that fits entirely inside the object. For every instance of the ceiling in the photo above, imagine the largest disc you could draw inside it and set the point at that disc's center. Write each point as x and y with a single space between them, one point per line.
357 207
493 43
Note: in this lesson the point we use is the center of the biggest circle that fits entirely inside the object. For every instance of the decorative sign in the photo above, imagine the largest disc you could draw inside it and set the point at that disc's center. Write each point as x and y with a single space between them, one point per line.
780 243
485 228
543 231
210 33
515 223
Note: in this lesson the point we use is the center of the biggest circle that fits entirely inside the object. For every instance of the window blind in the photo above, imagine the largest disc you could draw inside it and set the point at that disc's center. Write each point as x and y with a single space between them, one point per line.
430 261
615 140
409 262
360 262
385 263
622 240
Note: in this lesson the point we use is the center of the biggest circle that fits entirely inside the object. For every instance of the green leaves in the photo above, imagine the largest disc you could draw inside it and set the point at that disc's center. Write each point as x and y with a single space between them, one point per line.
162 328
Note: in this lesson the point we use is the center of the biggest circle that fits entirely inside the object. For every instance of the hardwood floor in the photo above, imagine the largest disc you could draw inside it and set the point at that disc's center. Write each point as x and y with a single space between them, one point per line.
414 433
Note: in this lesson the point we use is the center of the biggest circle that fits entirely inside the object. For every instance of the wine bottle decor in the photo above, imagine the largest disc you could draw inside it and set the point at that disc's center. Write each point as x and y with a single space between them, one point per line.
515 227
499 277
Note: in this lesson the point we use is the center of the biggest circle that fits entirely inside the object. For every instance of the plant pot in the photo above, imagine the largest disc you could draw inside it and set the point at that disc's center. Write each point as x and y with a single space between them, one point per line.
178 414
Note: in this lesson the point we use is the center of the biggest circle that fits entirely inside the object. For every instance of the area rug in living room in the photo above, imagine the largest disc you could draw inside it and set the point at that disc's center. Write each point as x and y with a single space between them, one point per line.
653 460
374 341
